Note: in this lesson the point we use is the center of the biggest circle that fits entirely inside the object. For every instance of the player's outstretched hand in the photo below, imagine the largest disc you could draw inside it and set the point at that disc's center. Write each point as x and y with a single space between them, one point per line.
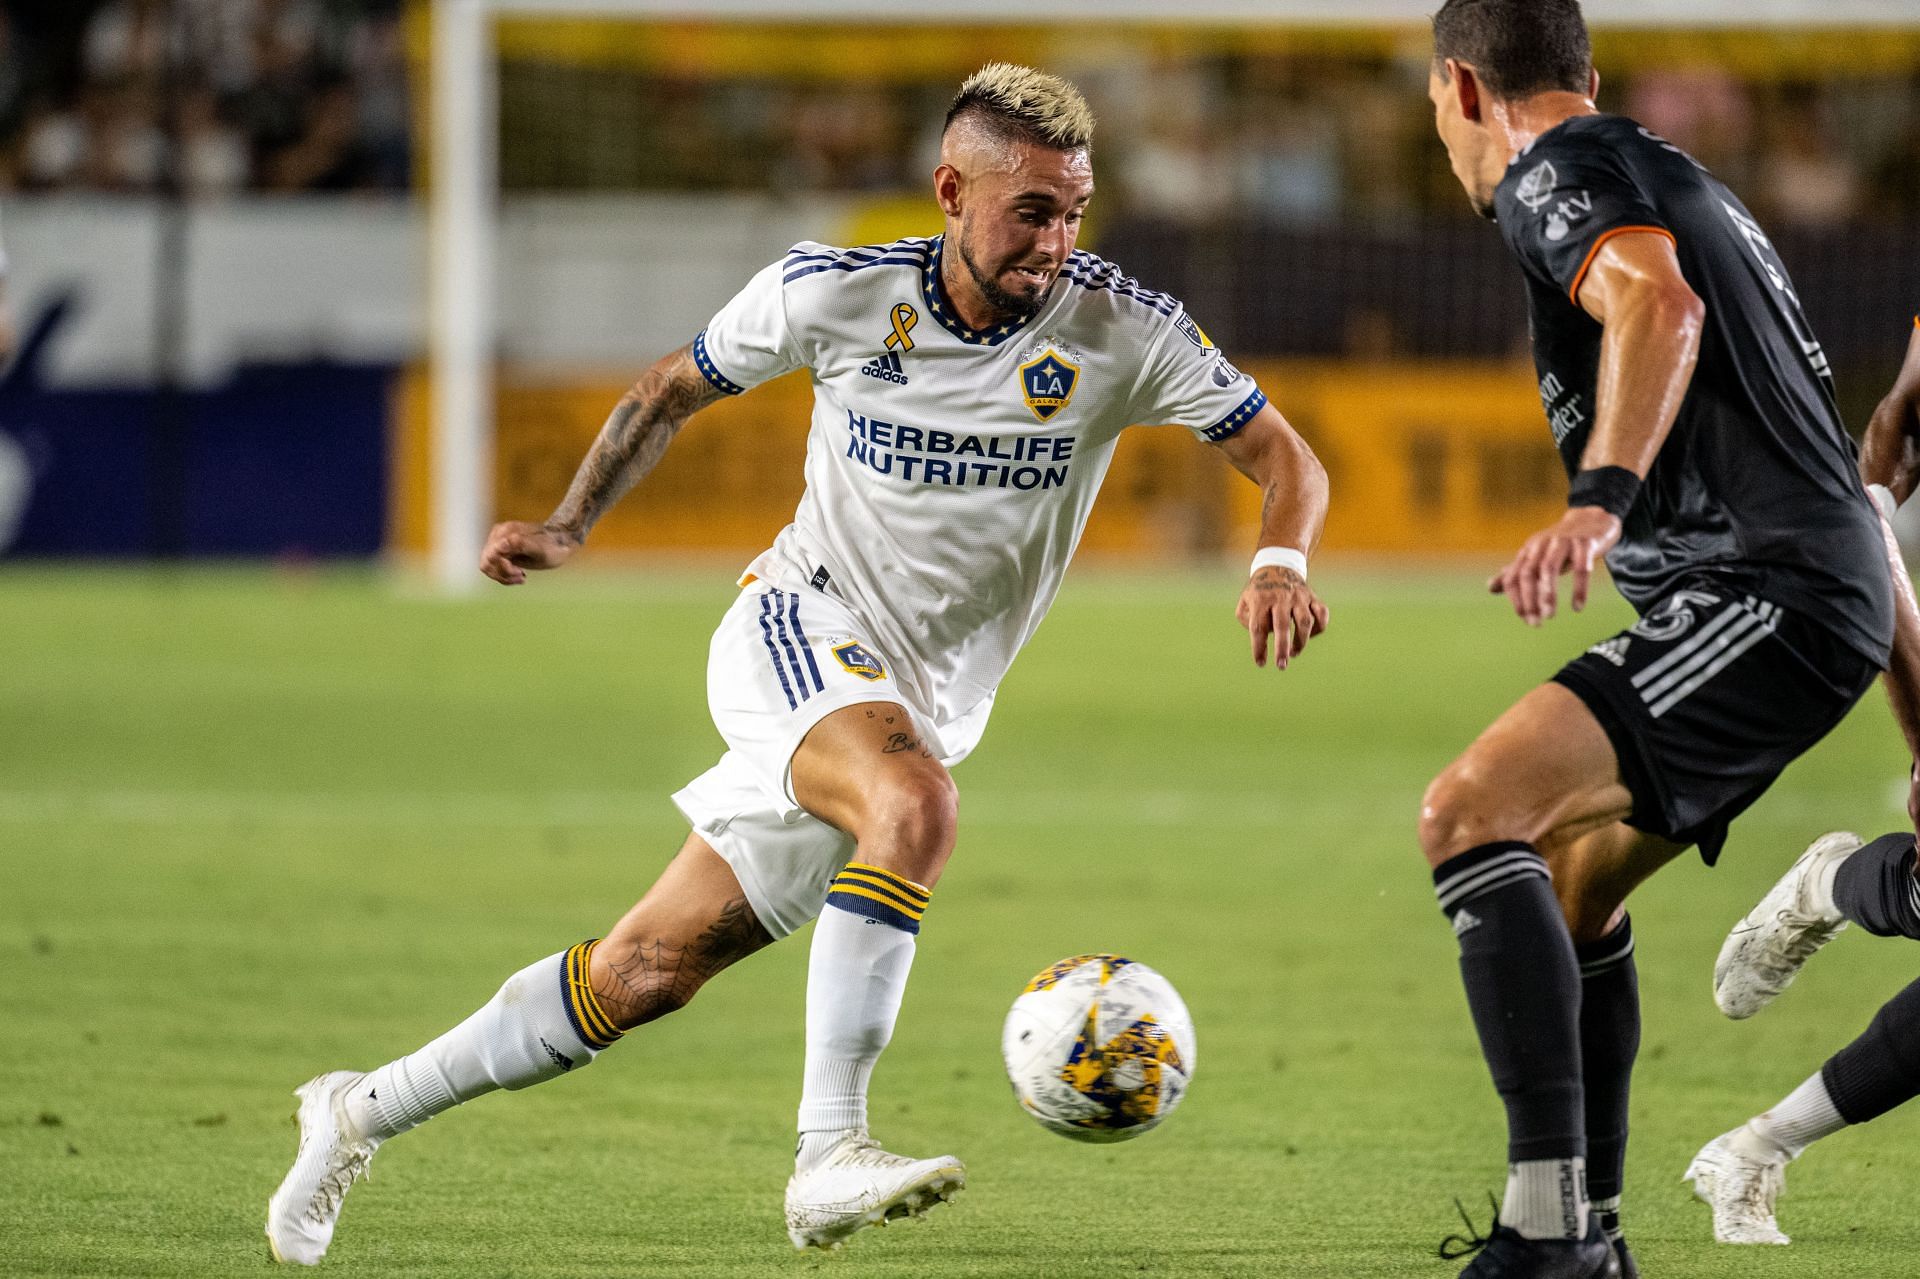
1532 581
1278 606
515 547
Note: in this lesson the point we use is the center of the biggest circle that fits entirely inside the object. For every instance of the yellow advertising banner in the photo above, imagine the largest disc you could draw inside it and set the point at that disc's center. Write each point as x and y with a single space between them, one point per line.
1425 459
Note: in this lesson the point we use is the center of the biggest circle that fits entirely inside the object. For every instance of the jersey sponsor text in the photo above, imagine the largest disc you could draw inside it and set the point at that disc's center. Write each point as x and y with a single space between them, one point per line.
925 456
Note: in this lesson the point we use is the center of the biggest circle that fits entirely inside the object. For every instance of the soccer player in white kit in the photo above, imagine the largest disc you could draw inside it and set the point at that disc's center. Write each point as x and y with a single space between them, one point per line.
968 392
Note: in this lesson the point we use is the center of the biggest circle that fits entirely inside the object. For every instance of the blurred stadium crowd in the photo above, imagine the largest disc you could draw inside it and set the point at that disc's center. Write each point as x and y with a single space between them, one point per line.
305 95
1300 139
221 96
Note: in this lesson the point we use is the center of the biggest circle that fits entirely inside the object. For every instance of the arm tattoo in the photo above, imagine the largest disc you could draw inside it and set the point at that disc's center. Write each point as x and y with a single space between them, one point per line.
656 978
631 443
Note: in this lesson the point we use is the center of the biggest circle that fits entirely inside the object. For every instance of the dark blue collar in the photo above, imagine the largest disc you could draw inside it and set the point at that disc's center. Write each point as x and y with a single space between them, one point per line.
934 294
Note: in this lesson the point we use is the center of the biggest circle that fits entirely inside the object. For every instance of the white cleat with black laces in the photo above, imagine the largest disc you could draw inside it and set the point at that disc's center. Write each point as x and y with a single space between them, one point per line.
856 1184
1740 1175
1765 951
302 1212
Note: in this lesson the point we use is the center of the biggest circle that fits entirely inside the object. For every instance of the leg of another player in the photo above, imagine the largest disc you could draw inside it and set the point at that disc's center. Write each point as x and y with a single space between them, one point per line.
864 770
1539 783
1593 877
546 1020
1875 1073
1740 1173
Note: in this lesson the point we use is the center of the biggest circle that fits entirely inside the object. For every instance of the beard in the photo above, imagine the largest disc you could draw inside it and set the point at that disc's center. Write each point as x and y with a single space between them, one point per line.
1022 305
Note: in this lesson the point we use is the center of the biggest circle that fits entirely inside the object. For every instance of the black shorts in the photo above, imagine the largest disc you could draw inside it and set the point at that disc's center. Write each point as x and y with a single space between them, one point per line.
1707 698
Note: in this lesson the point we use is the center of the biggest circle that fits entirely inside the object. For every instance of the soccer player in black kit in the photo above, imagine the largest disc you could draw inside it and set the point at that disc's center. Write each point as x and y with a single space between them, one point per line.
1840 879
1707 463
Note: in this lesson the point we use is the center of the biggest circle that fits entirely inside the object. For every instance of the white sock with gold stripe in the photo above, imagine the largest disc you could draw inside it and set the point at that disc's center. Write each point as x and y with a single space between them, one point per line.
857 974
541 1023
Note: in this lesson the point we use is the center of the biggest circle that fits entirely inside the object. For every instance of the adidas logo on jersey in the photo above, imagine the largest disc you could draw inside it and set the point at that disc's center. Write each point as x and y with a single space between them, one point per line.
1613 650
886 368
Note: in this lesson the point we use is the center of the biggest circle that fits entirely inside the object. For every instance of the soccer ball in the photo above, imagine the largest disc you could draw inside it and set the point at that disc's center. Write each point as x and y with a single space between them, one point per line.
1098 1048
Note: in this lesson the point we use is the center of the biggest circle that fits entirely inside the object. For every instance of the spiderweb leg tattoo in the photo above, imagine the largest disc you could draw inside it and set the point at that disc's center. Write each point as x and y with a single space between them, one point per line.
657 978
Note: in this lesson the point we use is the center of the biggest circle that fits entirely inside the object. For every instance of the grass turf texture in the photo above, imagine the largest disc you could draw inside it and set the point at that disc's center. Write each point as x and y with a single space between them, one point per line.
256 826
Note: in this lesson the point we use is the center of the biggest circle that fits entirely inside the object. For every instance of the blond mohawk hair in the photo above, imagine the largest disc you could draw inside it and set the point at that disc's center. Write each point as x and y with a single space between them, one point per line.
1020 102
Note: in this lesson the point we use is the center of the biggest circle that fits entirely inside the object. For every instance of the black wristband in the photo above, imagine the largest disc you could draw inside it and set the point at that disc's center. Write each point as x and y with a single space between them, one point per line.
1611 488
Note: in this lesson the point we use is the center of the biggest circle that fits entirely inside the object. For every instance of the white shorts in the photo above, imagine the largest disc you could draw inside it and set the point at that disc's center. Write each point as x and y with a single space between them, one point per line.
781 662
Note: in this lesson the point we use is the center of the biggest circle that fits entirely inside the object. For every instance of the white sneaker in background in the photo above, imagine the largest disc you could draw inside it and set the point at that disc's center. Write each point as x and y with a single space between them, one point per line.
1764 952
1739 1175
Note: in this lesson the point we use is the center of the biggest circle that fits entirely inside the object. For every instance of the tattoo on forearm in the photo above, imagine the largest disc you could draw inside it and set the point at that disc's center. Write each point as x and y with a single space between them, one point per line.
631 443
654 978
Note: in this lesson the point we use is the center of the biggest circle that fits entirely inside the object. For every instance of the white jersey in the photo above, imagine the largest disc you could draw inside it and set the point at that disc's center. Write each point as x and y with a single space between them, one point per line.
950 471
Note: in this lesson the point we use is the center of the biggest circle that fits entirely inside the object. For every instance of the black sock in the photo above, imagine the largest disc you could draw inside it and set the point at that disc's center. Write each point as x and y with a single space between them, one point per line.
1609 1041
1523 987
1881 1069
1875 887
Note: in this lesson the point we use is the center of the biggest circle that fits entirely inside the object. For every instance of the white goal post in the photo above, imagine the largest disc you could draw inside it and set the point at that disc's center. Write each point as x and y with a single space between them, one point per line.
464 150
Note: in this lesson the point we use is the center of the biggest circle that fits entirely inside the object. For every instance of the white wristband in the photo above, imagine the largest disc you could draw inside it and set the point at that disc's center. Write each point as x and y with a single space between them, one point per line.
1883 498
1279 557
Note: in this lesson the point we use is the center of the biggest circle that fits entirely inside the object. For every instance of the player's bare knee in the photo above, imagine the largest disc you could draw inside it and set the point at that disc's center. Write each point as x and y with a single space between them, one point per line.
911 824
1459 811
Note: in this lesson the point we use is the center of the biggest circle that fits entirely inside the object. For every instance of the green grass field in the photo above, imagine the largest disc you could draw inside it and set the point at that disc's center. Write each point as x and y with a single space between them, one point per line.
253 826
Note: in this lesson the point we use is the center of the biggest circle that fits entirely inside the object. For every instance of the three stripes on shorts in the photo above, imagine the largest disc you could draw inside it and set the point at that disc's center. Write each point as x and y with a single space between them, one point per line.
787 647
1708 651
879 895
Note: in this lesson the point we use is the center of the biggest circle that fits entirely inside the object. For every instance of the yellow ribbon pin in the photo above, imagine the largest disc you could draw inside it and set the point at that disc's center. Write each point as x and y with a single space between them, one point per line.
904 318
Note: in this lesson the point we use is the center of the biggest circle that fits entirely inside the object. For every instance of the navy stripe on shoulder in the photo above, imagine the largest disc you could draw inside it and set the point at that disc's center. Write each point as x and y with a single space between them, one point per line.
1233 423
1101 276
813 268
805 259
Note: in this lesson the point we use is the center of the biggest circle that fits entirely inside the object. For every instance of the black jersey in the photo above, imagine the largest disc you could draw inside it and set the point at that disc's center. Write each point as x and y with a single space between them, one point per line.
1757 484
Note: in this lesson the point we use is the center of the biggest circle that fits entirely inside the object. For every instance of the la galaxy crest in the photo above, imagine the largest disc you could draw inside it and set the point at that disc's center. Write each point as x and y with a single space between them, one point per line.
1047 383
859 661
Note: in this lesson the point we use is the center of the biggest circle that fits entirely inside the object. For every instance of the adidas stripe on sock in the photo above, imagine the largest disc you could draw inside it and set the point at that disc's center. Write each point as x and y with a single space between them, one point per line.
1523 988
1609 1043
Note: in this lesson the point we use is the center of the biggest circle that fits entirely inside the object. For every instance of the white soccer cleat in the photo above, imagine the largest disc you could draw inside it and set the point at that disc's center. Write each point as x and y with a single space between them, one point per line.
1740 1176
857 1184
1764 952
302 1213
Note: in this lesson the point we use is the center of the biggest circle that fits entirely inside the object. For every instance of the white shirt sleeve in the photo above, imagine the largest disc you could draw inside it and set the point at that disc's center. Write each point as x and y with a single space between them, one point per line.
749 341
1188 382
